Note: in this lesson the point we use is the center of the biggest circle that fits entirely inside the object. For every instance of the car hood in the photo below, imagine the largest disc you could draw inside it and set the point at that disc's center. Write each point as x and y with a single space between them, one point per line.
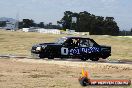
46 43
41 44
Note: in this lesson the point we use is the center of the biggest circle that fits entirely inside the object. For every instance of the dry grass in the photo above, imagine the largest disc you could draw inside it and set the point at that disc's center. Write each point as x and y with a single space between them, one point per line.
20 43
121 46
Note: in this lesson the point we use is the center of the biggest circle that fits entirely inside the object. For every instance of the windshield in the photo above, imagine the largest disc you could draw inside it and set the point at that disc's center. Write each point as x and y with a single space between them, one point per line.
61 40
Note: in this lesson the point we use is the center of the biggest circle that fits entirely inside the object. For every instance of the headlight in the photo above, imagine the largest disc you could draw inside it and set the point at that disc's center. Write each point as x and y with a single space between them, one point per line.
44 46
38 48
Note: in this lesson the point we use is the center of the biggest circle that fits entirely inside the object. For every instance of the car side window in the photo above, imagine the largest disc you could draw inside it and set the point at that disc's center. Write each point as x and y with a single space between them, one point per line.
73 42
86 43
91 44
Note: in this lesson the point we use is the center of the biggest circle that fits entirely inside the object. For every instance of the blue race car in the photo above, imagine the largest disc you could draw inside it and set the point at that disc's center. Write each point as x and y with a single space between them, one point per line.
72 47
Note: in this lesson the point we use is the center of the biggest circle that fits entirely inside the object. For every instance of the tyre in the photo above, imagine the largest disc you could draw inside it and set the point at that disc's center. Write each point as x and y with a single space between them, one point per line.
41 56
104 57
84 58
62 58
94 59
50 56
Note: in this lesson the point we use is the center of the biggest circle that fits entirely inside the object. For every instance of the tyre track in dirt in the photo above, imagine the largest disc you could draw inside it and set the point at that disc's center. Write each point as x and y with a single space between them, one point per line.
101 64
71 63
73 60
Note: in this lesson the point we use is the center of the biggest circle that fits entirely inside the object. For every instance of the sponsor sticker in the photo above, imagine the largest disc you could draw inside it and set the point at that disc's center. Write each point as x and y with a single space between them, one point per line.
77 51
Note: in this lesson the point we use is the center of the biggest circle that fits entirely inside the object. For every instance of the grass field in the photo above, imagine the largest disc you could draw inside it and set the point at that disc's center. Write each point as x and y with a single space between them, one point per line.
39 73
20 43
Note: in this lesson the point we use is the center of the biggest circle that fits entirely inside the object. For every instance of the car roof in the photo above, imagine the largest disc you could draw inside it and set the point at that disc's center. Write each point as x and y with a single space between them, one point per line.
68 37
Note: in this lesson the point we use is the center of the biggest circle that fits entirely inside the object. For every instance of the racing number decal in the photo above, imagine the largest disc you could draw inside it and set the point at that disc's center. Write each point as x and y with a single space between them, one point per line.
64 51
77 51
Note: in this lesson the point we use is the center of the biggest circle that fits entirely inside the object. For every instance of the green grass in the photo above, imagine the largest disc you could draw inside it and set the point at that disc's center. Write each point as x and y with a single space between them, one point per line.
20 43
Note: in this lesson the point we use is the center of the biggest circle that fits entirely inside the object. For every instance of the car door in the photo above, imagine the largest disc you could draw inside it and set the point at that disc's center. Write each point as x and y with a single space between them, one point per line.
70 48
88 47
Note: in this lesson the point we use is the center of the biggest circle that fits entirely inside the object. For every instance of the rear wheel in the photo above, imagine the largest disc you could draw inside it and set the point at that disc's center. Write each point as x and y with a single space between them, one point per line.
94 59
84 58
50 57
104 57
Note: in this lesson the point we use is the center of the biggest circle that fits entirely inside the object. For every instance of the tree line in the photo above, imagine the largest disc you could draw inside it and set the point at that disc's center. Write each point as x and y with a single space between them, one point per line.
2 23
27 23
86 22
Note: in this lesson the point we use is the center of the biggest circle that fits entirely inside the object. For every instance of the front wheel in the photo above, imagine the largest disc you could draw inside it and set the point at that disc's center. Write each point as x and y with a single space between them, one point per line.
41 56
94 59
50 56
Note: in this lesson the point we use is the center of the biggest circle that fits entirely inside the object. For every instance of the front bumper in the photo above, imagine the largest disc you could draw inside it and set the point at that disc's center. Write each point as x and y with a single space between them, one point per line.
34 55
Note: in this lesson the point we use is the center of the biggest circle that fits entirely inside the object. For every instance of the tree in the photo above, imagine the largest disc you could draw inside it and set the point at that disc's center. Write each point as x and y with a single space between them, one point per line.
28 23
97 25
66 20
110 26
87 22
41 25
84 22
2 23
20 24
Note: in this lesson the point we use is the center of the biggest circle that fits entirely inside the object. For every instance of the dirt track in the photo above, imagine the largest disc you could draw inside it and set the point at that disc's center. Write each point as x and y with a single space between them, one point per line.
32 73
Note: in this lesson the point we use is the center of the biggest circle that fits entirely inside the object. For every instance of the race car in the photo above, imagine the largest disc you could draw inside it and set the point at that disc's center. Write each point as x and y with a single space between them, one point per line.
72 47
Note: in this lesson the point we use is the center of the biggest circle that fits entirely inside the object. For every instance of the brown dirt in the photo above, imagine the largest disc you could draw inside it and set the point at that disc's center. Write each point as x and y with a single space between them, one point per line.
32 73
